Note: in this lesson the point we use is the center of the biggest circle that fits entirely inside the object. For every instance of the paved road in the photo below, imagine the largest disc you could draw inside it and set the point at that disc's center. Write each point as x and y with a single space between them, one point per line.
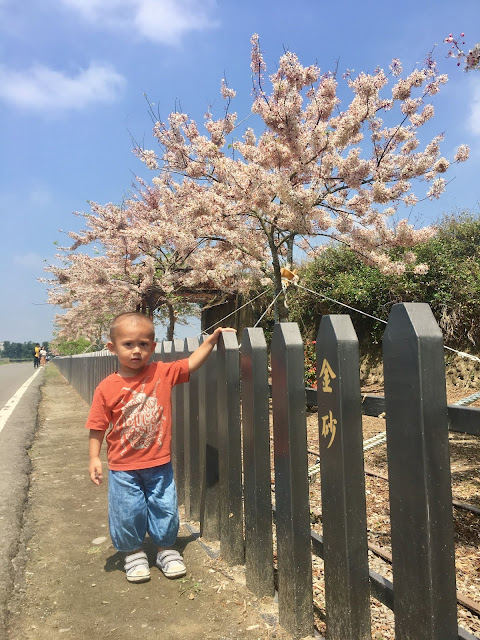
15 438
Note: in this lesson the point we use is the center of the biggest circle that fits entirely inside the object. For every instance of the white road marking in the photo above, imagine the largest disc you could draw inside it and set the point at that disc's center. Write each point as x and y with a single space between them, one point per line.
10 405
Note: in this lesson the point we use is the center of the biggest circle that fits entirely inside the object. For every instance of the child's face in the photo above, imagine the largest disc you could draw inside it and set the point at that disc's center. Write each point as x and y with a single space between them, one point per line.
133 345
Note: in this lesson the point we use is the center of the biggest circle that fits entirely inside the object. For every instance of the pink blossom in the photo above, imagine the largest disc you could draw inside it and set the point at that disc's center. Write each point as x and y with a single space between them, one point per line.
421 269
471 59
396 67
441 165
227 93
437 188
462 153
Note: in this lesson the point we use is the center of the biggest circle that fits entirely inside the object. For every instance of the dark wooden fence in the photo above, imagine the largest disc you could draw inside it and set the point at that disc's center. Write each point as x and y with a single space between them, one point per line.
228 488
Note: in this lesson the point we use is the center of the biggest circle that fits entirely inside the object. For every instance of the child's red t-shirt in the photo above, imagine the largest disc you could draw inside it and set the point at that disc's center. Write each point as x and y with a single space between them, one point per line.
139 411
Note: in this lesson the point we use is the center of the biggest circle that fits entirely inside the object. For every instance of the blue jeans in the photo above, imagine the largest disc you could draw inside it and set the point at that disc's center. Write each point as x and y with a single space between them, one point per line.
140 501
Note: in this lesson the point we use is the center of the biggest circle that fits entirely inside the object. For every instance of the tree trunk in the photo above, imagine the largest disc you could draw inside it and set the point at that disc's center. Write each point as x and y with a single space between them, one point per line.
290 250
171 322
281 311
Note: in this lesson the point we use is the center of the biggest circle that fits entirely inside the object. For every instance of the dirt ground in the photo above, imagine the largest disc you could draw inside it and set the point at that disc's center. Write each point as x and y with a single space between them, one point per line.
70 581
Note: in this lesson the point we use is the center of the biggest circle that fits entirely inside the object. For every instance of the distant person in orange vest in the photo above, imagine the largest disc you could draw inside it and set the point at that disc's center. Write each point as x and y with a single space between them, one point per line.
43 356
36 356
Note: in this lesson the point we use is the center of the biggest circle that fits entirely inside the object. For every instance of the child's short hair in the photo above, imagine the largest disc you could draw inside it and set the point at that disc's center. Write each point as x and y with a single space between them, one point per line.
134 316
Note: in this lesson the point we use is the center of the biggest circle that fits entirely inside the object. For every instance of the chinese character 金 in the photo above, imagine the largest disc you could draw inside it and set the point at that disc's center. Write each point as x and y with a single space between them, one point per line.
327 373
329 425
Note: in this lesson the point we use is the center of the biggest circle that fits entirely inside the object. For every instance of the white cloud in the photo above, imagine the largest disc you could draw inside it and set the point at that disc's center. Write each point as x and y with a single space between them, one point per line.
473 122
164 21
40 196
29 260
40 88
106 9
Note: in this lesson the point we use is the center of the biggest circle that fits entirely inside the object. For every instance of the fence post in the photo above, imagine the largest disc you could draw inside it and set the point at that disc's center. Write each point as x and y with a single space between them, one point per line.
291 481
191 441
419 476
163 351
166 351
347 590
210 500
229 449
256 464
178 421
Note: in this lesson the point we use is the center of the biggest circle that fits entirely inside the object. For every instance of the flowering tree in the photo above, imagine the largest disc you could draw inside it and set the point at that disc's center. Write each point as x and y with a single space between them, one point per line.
471 59
314 171
148 261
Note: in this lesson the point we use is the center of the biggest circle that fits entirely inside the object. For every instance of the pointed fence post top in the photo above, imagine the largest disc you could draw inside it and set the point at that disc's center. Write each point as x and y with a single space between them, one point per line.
253 338
338 327
191 344
178 345
167 347
228 341
412 320
287 333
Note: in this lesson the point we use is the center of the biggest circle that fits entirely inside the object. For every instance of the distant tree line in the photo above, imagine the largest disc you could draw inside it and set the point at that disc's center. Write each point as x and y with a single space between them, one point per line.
72 347
19 350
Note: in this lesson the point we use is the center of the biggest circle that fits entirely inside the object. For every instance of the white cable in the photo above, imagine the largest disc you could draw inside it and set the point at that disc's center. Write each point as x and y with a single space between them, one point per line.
463 354
321 295
234 312
266 310
364 313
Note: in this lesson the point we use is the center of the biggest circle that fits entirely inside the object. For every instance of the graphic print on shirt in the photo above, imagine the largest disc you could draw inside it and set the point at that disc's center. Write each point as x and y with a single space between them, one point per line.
142 420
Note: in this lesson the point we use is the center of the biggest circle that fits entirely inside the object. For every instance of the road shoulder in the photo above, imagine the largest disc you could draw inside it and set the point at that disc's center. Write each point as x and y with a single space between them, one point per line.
15 440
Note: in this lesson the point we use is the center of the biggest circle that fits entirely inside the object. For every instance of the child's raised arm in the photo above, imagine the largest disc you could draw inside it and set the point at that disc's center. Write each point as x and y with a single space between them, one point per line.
199 356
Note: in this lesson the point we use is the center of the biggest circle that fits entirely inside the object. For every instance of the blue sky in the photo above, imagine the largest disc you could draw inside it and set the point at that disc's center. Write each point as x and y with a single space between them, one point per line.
73 74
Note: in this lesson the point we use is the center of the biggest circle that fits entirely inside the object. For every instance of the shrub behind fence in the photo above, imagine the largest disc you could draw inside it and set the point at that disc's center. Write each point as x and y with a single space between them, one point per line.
208 459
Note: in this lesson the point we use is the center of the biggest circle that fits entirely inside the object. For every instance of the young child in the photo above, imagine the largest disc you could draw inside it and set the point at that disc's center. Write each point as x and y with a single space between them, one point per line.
136 402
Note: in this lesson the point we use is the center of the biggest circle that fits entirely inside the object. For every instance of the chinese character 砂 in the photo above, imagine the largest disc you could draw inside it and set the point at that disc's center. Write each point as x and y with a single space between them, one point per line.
329 426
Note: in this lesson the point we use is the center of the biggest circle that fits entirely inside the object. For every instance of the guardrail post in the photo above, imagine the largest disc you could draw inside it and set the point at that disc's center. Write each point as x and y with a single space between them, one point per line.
191 442
291 481
347 590
256 464
419 476
229 449
178 428
210 500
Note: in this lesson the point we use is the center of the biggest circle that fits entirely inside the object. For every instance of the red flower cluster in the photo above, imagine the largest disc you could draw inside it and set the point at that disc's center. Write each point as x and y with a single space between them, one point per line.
310 364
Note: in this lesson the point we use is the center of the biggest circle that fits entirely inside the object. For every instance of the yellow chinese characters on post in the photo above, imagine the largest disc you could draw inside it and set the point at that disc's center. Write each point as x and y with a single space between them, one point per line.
329 425
327 374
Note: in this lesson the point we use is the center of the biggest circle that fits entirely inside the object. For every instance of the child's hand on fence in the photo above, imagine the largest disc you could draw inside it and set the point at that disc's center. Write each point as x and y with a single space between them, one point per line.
216 334
199 356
